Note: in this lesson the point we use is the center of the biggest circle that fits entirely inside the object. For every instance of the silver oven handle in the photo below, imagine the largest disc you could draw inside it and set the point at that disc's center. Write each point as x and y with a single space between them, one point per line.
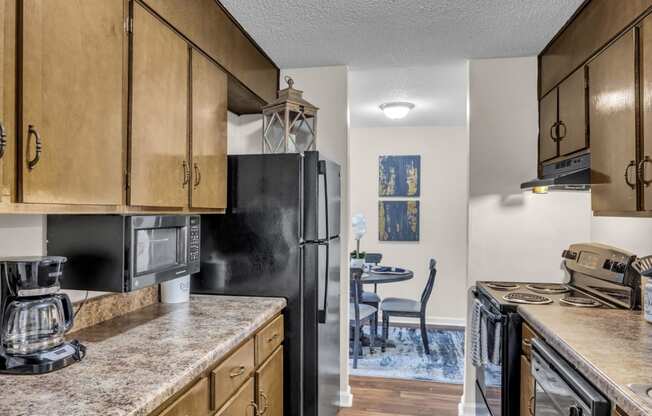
552 372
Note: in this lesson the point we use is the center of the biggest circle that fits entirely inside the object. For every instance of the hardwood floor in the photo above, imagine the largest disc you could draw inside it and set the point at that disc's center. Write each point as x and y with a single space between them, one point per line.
385 396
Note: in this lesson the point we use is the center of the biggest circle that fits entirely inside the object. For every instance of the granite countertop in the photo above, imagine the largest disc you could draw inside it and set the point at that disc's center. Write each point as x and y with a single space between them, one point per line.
137 361
612 348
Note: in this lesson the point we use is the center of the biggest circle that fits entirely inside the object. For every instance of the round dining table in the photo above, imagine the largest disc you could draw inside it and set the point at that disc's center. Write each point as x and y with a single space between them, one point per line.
371 278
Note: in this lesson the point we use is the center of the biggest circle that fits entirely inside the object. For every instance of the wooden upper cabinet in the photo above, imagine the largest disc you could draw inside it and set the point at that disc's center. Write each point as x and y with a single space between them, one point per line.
548 127
4 115
572 114
73 112
592 28
160 172
612 117
209 135
269 385
645 165
211 29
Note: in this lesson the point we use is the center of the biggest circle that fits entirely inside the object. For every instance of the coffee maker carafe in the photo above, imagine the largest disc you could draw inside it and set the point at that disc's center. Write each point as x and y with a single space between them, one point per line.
34 317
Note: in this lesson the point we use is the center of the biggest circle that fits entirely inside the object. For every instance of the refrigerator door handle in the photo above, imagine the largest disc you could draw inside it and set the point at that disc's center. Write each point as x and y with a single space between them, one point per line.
322 173
321 313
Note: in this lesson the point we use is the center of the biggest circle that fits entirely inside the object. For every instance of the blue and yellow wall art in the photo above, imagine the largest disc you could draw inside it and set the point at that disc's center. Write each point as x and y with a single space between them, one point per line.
399 175
398 220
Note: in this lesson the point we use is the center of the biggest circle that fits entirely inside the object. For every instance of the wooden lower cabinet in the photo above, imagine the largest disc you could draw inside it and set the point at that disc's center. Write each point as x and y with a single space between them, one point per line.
269 385
194 402
232 373
527 388
238 385
242 404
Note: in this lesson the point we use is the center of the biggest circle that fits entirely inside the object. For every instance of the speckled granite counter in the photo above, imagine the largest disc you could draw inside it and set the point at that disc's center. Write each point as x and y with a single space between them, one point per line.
612 348
137 361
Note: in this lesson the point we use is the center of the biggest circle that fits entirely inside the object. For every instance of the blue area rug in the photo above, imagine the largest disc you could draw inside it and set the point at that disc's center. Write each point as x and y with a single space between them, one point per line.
408 361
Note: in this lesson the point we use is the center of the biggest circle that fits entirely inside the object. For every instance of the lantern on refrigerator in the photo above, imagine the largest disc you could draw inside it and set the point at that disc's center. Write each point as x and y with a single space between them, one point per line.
289 123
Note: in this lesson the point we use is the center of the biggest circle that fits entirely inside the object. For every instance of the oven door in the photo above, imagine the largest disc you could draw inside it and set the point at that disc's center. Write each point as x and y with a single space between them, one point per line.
489 372
158 249
498 372
560 390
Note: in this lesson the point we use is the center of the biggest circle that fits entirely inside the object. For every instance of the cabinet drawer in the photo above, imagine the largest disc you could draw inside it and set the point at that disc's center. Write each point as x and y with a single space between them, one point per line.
193 402
242 404
527 334
268 339
232 373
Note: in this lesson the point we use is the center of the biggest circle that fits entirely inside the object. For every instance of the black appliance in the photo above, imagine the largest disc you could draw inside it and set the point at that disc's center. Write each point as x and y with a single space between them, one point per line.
122 253
280 237
34 317
599 276
573 173
559 389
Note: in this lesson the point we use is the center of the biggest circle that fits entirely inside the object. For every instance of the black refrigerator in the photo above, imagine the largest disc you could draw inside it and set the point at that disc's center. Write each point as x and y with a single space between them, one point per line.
280 237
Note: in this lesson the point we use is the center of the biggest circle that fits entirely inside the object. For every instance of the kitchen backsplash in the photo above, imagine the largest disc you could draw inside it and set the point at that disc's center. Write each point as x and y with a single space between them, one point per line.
108 306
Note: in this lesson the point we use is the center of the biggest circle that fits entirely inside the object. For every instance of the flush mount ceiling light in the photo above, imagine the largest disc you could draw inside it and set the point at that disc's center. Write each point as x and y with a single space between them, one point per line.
396 110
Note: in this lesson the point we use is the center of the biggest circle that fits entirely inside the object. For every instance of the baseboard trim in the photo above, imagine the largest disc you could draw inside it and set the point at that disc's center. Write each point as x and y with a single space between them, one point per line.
465 409
345 398
434 321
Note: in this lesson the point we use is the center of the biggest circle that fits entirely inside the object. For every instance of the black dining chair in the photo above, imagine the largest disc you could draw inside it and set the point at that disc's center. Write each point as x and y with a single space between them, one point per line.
372 298
408 308
359 313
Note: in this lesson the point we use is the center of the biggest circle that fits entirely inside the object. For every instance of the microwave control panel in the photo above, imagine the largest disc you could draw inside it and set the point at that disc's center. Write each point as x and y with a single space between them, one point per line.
194 238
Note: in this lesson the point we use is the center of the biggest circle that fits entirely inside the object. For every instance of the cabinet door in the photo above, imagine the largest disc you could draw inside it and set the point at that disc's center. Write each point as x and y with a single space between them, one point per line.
572 114
548 126
242 403
159 170
209 114
73 114
612 118
269 385
527 388
645 165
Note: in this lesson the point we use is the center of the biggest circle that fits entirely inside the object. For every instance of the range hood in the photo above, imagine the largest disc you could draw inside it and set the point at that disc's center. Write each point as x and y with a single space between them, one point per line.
570 174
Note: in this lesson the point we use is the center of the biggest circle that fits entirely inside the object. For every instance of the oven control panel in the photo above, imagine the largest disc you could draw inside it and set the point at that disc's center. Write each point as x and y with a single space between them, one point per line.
194 241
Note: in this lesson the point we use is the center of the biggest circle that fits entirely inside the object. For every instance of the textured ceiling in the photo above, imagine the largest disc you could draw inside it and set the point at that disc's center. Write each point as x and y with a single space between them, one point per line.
380 33
401 50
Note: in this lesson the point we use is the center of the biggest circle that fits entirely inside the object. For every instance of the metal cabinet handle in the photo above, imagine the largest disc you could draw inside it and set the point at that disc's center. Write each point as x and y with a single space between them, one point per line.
530 405
238 371
561 135
641 170
31 131
197 175
632 164
272 338
186 174
3 140
254 406
553 131
265 400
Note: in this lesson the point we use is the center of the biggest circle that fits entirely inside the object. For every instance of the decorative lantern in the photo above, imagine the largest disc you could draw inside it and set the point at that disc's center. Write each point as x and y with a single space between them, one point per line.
289 123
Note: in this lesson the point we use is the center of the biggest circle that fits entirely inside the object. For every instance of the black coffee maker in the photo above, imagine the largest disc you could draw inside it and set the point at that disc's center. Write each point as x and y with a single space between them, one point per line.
34 317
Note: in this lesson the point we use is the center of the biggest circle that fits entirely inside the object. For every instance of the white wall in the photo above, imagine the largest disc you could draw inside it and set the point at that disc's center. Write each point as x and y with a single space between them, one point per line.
443 204
513 235
327 88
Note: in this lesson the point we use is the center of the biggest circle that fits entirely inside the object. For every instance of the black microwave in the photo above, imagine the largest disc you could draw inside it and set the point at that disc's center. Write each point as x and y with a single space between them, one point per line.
123 253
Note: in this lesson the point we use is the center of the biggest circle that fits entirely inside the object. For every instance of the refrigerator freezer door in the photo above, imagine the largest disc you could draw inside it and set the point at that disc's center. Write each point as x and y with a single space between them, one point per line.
329 199
329 331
